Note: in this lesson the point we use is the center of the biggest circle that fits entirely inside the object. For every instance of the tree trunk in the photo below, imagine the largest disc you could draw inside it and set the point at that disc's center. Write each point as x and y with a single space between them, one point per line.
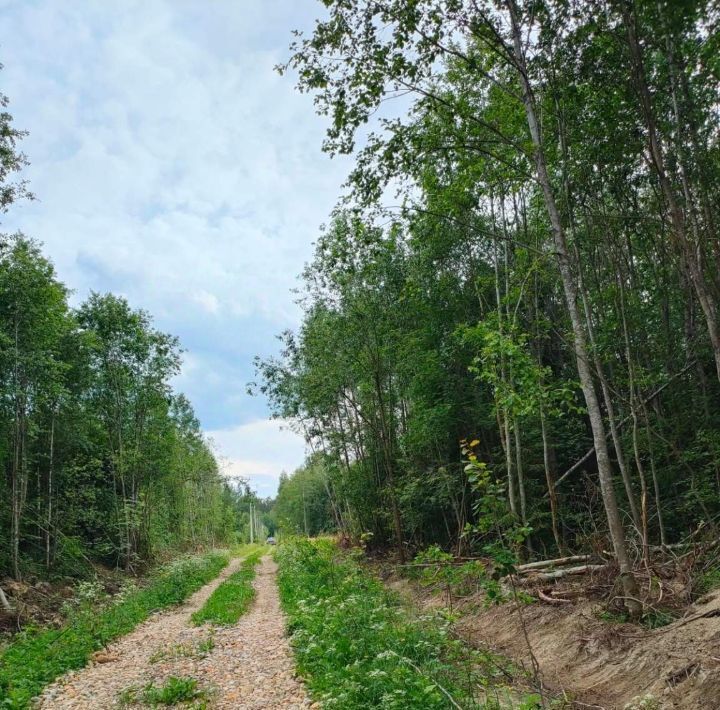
617 533
550 479
691 252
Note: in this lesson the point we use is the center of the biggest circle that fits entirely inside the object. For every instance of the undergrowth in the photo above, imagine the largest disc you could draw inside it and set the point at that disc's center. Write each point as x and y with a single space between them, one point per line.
707 581
358 648
233 597
36 657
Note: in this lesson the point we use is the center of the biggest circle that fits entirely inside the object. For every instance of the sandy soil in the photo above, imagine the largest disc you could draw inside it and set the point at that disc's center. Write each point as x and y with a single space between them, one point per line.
249 666
596 664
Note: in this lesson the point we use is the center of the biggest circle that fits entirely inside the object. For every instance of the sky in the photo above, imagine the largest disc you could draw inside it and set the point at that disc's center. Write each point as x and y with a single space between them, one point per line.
175 167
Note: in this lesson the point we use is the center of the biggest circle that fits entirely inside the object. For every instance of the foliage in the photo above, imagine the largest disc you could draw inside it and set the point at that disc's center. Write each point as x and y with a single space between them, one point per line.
302 504
233 597
357 647
434 568
707 581
526 252
104 462
36 657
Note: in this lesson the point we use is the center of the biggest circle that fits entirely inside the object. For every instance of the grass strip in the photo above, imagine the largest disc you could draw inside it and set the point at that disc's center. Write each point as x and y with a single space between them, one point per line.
233 597
358 647
36 657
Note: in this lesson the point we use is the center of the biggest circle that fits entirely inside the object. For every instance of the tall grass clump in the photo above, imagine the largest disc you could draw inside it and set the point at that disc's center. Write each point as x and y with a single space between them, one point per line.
358 648
36 657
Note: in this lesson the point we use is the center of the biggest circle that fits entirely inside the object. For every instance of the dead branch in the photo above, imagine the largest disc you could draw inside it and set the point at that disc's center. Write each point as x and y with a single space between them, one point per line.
4 603
560 573
620 424
552 600
559 562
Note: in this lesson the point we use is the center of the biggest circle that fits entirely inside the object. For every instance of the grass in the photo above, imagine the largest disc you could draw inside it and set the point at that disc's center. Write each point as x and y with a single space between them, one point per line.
707 581
357 647
174 691
36 656
233 597
184 650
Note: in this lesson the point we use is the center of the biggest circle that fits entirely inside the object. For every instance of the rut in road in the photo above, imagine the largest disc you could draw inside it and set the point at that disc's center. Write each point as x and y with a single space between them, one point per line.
249 666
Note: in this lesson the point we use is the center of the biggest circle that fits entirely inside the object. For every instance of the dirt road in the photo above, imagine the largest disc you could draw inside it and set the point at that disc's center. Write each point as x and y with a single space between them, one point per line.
248 665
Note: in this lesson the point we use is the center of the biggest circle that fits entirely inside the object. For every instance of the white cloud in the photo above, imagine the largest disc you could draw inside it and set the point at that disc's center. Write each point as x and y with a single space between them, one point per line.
259 451
208 301
173 165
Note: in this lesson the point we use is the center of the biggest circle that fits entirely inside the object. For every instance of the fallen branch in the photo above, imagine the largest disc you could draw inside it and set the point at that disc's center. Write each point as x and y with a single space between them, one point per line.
443 563
544 564
4 603
560 573
619 426
552 600
562 593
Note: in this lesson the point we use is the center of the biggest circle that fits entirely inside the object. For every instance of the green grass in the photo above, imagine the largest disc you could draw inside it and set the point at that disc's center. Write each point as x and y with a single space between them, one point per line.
233 597
184 650
174 691
357 647
36 657
707 581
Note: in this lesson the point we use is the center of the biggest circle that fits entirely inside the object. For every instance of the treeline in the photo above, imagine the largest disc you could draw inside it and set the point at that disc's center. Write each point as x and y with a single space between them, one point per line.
303 505
528 256
102 460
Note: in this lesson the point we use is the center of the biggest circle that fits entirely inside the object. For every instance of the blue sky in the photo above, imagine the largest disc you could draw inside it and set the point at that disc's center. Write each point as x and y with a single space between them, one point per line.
172 165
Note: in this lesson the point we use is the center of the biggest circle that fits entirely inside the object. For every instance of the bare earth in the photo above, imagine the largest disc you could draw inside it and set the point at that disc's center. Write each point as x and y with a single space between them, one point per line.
250 665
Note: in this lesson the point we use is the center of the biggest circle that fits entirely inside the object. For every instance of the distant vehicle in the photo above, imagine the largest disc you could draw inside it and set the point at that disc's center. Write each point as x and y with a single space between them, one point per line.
271 541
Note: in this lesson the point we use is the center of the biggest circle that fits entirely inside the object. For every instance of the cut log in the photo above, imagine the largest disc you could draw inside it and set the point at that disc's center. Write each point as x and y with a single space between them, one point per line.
560 573
559 562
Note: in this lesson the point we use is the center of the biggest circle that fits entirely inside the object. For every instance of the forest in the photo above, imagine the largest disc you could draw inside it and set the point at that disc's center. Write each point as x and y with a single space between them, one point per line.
511 327
506 374
103 460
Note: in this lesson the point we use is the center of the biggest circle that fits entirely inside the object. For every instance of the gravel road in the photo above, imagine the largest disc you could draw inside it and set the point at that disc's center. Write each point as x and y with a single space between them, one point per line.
249 665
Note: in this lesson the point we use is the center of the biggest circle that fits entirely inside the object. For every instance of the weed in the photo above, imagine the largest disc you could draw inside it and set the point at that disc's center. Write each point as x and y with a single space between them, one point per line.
184 650
647 702
655 618
651 619
707 581
174 691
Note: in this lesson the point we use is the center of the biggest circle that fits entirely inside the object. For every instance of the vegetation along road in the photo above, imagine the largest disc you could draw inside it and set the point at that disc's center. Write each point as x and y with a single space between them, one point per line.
170 659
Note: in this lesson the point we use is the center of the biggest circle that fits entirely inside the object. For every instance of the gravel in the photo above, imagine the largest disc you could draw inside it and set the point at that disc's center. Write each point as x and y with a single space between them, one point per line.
249 666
